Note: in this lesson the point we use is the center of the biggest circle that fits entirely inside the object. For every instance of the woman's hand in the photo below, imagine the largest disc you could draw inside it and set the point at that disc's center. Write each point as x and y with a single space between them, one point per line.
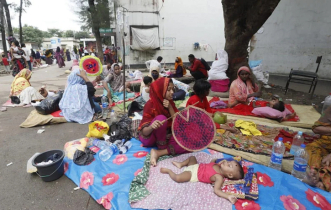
82 74
166 103
156 124
327 160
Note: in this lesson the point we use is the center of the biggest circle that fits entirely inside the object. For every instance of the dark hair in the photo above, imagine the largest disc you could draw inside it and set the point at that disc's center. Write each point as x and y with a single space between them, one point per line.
241 171
147 80
17 43
280 106
23 45
116 65
201 87
191 56
33 54
159 59
58 49
3 56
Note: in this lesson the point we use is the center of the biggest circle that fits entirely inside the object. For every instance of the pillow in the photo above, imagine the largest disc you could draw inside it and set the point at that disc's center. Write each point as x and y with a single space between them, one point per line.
270 112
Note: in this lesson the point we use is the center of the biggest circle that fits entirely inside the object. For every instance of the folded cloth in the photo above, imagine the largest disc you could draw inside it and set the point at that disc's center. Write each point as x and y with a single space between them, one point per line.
218 104
247 128
84 158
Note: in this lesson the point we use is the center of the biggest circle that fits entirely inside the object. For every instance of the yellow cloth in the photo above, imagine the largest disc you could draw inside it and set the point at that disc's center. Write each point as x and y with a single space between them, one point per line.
20 82
247 128
194 172
71 147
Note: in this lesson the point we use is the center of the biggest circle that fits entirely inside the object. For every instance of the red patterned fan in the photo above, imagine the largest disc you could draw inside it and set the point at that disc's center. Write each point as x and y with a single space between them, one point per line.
91 65
193 129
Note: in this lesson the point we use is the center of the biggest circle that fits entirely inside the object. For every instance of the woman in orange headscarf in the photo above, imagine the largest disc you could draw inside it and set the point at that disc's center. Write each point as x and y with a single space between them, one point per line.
154 126
20 82
179 67
243 88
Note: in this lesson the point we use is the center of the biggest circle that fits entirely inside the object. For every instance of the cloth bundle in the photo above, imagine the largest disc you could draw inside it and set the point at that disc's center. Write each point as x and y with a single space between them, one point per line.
247 128
218 104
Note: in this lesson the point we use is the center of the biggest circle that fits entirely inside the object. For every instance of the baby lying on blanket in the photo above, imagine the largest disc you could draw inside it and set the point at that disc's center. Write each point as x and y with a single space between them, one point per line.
275 109
208 173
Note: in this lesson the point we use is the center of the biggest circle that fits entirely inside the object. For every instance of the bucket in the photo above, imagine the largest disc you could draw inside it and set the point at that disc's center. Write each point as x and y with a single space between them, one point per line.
52 171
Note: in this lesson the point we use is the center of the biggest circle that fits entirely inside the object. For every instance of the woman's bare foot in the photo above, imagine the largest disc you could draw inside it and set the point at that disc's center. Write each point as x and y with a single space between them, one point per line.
164 170
177 164
312 178
154 157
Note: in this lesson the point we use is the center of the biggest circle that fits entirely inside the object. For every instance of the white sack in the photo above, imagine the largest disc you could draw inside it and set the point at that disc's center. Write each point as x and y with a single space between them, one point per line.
219 67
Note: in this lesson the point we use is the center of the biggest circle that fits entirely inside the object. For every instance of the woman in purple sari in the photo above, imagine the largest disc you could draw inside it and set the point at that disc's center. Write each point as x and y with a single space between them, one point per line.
59 57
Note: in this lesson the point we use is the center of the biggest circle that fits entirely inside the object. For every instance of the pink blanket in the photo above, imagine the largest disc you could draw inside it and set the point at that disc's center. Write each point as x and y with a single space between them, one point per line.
167 194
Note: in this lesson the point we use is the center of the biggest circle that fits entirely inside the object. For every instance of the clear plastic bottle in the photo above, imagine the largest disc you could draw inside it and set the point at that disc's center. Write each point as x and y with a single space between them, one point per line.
300 163
124 149
327 103
113 117
296 143
104 102
118 143
278 150
105 154
99 143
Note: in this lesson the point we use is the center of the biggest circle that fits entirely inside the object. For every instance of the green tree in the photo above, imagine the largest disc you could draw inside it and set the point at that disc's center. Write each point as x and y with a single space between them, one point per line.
94 14
242 20
32 34
69 33
82 34
55 32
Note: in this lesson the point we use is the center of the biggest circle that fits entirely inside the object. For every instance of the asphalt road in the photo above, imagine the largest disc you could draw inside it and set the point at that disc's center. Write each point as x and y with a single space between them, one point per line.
18 189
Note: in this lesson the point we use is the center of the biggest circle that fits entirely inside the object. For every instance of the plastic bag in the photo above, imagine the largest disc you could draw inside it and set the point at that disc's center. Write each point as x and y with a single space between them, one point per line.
97 129
71 147
50 104
121 130
219 67
181 85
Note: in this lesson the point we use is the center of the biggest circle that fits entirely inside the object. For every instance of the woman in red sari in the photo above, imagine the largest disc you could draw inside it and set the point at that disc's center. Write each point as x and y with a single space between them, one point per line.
154 130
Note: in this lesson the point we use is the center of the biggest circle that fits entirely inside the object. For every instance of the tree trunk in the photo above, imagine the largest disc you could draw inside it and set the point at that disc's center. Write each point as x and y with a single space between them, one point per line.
3 32
96 28
242 20
20 22
10 28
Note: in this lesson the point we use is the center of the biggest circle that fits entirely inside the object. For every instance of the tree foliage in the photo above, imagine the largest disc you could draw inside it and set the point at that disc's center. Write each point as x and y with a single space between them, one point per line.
31 34
69 33
82 34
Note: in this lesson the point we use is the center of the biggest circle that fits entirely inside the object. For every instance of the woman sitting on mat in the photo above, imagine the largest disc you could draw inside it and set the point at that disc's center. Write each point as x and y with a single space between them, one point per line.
77 103
179 69
20 82
243 89
320 154
154 126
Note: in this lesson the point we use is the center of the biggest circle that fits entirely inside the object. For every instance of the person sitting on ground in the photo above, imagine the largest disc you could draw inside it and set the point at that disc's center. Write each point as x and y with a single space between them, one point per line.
197 69
145 91
208 173
20 82
319 152
179 69
154 63
243 89
199 99
275 104
155 127
113 86
155 74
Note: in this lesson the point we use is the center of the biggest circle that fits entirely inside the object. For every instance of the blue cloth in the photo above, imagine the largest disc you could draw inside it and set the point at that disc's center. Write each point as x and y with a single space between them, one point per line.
37 55
117 96
75 104
253 64
97 108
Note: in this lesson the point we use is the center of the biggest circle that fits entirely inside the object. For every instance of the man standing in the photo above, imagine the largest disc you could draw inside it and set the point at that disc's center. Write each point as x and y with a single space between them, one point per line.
27 56
198 70
154 63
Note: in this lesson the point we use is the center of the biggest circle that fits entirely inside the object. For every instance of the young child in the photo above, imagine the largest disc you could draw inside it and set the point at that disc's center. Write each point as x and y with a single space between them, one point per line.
208 173
201 90
145 92
276 104
5 63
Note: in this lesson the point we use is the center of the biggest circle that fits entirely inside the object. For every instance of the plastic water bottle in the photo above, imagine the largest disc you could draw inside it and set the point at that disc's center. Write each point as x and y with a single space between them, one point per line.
266 76
105 154
113 116
296 143
278 150
104 102
300 163
101 144
124 149
327 103
118 143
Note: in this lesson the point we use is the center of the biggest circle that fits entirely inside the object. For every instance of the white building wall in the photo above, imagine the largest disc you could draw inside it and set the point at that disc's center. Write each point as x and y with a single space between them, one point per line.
296 33
185 21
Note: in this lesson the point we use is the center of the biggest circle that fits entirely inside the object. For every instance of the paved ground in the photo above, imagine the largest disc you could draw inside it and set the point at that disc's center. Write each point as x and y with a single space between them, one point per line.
20 190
